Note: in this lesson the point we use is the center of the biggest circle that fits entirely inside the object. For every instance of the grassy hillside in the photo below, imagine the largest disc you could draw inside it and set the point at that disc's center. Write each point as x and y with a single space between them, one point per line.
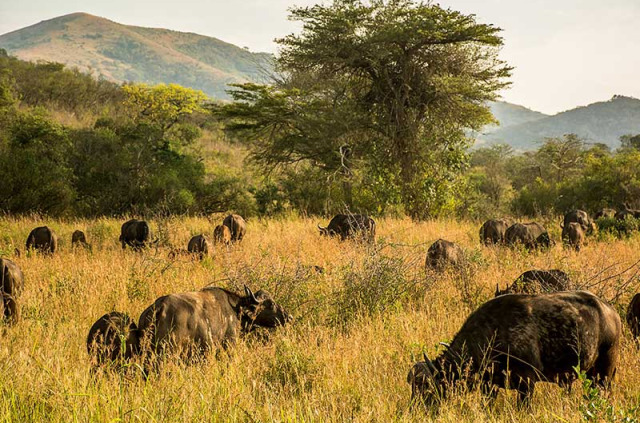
604 122
358 328
127 53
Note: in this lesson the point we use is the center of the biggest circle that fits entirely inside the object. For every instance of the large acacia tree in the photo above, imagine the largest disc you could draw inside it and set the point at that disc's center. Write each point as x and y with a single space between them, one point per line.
390 86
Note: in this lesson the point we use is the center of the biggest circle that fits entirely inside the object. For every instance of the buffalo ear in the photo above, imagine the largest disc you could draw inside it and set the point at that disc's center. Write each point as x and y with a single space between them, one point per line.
249 293
133 326
497 289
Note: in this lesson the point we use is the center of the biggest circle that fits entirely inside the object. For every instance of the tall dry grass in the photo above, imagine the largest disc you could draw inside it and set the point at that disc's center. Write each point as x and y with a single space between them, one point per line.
358 329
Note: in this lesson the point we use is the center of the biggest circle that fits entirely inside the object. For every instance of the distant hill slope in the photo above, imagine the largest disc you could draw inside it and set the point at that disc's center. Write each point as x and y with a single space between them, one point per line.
604 122
129 53
511 114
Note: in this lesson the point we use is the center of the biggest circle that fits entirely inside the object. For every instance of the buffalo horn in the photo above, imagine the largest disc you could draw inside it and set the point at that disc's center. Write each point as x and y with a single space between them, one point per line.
250 294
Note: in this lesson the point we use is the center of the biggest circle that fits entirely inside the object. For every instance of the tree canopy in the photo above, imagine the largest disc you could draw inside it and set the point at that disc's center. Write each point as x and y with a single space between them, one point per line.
385 87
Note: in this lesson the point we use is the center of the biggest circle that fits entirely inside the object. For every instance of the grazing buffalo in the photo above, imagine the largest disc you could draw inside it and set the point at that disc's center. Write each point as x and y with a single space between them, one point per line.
633 315
604 213
199 244
12 284
442 254
536 282
135 234
78 239
573 235
530 235
237 226
104 342
622 214
493 231
222 235
42 239
582 218
514 341
349 225
192 323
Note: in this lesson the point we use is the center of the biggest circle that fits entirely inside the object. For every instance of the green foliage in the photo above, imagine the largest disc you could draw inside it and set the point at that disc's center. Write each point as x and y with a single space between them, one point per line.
50 84
596 408
618 227
384 88
34 166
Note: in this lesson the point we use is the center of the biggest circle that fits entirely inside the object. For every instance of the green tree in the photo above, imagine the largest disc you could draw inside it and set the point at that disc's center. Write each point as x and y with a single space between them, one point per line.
393 84
34 166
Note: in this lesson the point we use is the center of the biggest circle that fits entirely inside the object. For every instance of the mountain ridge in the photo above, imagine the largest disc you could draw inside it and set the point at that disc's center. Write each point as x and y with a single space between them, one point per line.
602 121
122 53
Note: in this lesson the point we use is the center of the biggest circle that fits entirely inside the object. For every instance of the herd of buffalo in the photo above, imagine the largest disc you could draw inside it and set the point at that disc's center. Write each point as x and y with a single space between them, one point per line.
533 330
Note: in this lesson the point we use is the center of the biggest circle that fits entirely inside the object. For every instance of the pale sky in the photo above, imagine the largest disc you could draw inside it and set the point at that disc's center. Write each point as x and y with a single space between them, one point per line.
567 53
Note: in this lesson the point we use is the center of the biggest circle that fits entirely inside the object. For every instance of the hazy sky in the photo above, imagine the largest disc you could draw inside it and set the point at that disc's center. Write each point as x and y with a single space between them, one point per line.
566 52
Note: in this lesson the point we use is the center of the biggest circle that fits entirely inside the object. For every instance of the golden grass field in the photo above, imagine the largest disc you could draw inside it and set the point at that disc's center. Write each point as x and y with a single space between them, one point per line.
359 326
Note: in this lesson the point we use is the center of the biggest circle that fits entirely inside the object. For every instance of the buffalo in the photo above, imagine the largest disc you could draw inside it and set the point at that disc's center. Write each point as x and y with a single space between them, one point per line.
12 284
514 341
349 225
493 231
222 235
582 218
42 239
604 213
622 214
104 342
537 281
192 323
633 315
135 234
237 226
442 254
78 239
200 245
530 235
573 235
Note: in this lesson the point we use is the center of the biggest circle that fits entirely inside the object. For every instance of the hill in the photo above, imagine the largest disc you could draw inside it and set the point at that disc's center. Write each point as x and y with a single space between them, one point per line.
512 114
604 122
119 53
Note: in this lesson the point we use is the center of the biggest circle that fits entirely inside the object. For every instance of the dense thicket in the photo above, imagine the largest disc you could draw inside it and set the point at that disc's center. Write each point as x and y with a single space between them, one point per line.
139 154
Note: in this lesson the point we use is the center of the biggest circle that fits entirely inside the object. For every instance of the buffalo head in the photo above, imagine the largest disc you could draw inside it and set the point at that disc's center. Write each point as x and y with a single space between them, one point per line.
260 309
427 380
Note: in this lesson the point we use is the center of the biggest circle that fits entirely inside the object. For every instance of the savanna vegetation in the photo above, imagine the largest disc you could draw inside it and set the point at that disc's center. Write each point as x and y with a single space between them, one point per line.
355 120
358 327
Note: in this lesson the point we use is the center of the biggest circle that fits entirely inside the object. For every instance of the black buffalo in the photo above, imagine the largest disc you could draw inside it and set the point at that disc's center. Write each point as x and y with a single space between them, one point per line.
349 225
104 342
573 235
536 282
530 338
42 239
12 284
192 323
622 214
633 315
442 254
135 234
580 217
222 235
604 213
530 235
79 239
237 226
493 231
200 245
